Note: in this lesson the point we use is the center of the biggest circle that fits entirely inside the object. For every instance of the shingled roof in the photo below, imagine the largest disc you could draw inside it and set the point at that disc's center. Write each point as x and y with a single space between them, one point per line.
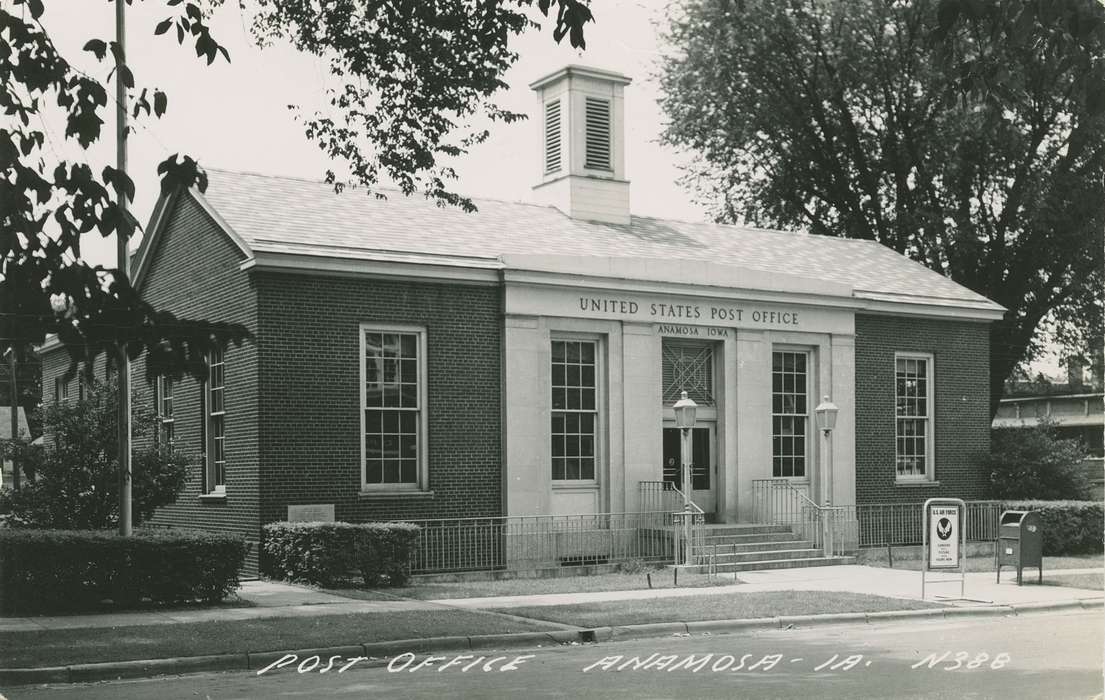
288 215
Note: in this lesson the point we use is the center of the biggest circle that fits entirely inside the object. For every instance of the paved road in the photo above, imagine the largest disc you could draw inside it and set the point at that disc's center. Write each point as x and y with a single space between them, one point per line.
1056 655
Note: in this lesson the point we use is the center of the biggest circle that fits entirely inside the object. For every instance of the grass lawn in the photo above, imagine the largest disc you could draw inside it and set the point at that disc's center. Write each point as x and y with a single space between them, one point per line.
570 584
62 647
1051 564
715 607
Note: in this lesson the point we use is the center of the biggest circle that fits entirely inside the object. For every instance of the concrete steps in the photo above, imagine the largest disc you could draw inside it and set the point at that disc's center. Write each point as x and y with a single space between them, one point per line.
774 554
756 546
740 547
773 564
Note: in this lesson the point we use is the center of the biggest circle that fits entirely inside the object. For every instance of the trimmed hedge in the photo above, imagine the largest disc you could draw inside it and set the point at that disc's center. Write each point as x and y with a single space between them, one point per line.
324 553
1070 527
70 570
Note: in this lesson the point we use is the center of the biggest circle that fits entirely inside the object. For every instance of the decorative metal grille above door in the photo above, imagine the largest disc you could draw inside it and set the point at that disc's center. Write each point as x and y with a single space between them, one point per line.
690 368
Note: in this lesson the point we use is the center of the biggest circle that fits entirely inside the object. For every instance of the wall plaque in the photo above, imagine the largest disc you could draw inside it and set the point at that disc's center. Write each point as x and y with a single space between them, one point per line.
316 513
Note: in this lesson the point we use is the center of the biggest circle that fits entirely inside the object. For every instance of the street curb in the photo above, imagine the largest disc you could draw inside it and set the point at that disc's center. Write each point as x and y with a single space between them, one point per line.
380 650
1050 606
652 629
723 626
826 619
979 611
892 615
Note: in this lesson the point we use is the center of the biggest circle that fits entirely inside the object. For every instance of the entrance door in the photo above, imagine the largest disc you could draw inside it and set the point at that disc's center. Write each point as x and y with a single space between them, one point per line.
703 463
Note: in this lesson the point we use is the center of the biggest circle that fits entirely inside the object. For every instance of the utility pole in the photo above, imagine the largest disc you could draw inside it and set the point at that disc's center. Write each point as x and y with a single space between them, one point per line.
123 364
15 416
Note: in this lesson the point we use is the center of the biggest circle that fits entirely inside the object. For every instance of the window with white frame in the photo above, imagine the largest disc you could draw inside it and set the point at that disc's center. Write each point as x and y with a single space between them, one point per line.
790 419
215 397
164 405
61 389
393 407
574 410
913 411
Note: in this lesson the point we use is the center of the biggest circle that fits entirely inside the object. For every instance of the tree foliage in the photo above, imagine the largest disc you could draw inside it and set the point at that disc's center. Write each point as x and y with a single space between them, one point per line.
414 75
73 481
1035 463
967 134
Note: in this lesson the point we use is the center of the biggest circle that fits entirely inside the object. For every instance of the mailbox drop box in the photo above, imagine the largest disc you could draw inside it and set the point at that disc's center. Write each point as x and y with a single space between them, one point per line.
1020 542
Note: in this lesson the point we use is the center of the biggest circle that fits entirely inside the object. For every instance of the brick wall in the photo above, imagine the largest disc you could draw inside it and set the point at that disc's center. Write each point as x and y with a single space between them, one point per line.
310 409
962 405
195 275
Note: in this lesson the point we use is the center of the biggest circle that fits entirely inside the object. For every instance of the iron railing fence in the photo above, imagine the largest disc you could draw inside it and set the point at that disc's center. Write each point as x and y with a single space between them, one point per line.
659 497
541 541
777 501
832 529
895 524
688 527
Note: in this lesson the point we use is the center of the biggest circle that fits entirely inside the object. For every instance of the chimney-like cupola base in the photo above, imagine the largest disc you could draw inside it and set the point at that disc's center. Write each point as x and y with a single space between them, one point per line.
581 113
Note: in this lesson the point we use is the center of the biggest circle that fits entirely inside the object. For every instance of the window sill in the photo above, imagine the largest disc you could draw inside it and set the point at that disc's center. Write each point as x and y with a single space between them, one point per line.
213 497
371 493
918 484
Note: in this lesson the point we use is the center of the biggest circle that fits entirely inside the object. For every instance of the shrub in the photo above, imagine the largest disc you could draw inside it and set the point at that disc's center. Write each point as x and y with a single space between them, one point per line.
67 570
1035 463
76 483
1070 527
324 553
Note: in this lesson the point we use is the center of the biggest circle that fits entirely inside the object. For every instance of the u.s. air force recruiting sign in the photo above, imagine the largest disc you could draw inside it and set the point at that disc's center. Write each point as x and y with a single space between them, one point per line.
943 537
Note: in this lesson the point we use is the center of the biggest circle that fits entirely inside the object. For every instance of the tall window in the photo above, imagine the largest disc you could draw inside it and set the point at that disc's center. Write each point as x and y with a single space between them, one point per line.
216 423
790 418
393 382
165 425
913 409
574 410
61 389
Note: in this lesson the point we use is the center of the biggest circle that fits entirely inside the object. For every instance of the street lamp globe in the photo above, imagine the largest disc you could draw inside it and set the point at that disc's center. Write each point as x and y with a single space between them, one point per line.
685 410
826 414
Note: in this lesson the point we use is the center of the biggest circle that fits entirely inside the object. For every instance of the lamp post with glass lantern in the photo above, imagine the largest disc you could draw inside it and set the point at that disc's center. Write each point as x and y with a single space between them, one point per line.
826 420
685 410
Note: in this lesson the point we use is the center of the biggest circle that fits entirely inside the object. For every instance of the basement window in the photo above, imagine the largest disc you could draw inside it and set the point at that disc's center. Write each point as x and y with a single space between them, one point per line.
597 152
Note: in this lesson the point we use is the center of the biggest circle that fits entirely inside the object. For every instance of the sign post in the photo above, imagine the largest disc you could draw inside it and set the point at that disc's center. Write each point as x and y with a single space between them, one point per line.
944 535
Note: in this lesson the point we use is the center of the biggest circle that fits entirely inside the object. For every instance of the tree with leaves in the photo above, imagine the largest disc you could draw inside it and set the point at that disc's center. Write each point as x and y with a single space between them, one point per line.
72 481
413 75
966 134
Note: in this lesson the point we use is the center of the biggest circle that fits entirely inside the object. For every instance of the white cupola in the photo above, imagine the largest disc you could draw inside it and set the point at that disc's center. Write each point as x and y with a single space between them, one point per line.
582 144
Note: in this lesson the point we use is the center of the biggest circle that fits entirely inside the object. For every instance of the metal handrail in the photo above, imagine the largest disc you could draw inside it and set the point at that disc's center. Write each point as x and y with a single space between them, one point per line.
694 506
826 518
689 517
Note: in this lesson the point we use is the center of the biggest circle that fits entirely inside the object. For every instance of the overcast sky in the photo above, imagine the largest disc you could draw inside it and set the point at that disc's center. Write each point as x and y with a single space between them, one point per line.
235 115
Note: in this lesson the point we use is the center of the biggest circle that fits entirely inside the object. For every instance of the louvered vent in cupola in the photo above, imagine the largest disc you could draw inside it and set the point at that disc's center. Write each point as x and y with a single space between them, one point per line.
552 136
598 134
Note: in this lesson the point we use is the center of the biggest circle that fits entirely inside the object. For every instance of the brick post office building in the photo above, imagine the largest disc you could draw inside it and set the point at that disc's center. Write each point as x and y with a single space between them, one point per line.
417 362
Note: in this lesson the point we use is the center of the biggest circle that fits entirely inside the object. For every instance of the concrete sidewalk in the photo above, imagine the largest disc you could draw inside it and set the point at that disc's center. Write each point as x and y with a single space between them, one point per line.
269 599
890 583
